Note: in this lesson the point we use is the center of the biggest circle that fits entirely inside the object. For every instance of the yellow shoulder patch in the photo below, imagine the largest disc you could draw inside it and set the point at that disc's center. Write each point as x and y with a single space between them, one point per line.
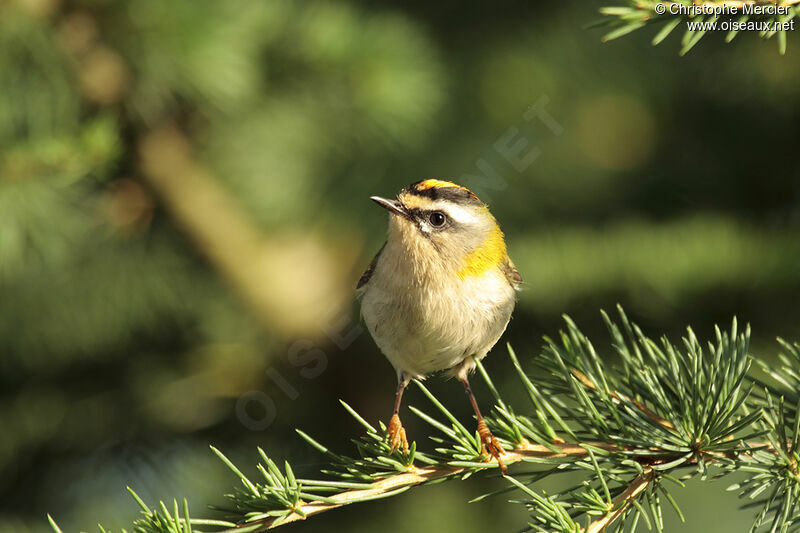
489 255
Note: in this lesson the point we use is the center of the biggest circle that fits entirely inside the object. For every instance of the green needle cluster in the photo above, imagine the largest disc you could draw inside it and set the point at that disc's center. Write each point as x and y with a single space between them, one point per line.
629 433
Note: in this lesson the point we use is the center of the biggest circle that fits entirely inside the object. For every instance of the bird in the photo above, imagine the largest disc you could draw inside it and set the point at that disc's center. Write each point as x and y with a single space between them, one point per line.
439 293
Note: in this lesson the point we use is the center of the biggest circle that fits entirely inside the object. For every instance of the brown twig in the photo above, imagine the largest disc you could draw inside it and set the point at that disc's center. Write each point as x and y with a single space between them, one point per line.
621 503
418 476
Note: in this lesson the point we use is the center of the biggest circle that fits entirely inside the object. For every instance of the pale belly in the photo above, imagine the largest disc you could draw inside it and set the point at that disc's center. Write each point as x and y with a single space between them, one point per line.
422 332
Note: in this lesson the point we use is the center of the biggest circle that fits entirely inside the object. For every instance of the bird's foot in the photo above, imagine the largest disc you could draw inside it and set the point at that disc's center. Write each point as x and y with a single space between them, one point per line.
397 434
491 446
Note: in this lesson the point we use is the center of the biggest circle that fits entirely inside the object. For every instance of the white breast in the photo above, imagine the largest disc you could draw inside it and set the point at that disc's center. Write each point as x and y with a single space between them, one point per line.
425 324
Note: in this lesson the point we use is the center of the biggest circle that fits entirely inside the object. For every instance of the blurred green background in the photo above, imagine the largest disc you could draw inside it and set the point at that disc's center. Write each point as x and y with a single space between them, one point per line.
184 214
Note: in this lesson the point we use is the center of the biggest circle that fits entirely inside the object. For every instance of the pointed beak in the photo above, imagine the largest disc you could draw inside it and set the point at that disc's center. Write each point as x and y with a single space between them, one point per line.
393 206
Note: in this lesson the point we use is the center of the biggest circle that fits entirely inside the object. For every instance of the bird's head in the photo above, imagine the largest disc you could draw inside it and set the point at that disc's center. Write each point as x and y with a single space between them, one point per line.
443 224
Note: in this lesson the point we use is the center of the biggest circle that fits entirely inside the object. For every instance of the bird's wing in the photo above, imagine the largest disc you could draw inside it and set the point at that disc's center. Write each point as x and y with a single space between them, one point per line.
512 275
365 277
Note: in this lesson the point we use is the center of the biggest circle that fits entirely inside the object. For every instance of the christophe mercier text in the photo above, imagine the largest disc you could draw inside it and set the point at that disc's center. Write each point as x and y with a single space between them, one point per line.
727 9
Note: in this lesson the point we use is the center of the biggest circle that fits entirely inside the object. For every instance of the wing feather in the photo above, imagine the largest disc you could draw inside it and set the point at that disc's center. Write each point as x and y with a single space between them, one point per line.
511 272
367 275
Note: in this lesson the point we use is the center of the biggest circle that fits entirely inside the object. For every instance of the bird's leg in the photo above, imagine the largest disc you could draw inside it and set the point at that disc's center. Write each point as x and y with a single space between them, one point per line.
397 434
490 444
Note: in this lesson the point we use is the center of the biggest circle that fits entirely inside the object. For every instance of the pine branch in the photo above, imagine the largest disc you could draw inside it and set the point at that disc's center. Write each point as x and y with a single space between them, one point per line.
700 17
667 413
396 484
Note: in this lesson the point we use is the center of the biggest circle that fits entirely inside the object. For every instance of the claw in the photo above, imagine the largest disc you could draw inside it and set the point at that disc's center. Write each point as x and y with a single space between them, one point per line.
491 446
397 434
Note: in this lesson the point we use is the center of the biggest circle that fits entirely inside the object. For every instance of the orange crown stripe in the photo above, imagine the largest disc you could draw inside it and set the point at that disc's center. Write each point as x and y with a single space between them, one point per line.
431 183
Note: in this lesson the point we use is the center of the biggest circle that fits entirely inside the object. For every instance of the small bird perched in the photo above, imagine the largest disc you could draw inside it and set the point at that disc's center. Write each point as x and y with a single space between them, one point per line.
439 292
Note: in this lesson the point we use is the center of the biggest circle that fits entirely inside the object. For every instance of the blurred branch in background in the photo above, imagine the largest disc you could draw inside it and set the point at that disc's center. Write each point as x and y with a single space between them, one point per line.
664 263
285 280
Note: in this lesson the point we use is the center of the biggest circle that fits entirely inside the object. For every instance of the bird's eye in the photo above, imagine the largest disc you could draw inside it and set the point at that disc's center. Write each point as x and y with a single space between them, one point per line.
437 219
